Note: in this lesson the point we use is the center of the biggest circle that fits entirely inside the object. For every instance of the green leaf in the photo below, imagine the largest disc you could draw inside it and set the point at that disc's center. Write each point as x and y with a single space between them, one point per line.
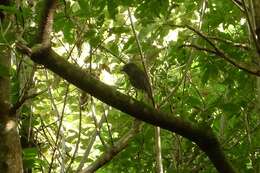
231 108
193 101
114 48
211 71
29 153
9 9
112 8
120 30
4 71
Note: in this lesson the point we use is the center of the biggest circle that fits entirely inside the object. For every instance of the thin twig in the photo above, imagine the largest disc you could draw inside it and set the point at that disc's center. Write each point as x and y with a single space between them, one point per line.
251 26
239 5
78 140
250 68
18 104
142 56
239 45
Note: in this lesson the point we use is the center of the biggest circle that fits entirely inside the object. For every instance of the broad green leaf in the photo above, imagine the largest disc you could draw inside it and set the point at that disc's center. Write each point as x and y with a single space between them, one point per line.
4 71
112 8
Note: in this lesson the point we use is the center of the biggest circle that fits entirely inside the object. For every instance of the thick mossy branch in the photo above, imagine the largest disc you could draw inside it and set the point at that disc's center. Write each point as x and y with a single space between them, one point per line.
46 22
201 135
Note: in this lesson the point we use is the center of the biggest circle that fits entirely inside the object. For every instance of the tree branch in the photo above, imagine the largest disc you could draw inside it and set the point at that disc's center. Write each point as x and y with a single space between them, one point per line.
256 5
251 26
46 22
20 102
203 136
115 149
234 44
238 3
250 68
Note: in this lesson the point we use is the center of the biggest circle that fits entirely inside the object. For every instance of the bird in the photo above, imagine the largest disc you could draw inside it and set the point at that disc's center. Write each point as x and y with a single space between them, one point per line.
137 78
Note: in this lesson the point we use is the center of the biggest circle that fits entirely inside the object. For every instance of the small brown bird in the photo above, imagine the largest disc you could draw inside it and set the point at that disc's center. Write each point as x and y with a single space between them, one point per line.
137 78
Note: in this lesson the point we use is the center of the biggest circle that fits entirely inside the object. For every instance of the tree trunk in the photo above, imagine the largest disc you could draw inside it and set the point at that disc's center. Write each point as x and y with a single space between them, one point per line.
10 148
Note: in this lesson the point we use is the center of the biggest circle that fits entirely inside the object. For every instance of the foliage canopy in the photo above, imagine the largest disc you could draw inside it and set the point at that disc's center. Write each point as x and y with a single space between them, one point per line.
198 55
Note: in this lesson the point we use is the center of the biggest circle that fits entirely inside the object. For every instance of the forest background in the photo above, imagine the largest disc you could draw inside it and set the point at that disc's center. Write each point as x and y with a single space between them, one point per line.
67 106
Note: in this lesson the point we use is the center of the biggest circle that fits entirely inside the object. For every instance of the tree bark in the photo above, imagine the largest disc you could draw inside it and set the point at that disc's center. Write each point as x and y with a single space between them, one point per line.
202 135
10 148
